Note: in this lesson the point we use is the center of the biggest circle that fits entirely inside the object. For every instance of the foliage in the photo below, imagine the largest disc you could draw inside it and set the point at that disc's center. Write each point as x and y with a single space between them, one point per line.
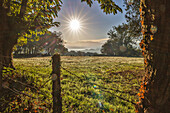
120 76
133 18
27 15
107 6
122 39
49 43
120 43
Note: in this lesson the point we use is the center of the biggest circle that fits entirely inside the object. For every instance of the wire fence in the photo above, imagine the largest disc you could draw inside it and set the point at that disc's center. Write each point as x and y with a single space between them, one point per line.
49 78
15 85
104 88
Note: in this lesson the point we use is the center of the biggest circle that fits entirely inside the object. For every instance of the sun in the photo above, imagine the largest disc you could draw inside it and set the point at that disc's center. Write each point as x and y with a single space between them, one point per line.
75 25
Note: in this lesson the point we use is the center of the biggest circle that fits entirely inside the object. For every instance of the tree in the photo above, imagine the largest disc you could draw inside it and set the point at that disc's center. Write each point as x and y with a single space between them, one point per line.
108 49
121 42
49 42
52 42
155 88
133 17
22 17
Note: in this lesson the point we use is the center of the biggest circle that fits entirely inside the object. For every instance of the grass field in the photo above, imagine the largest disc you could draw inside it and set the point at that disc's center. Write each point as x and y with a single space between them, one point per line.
104 84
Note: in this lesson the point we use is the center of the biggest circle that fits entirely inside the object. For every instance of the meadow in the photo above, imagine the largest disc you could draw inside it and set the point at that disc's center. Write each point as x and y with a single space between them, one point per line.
89 84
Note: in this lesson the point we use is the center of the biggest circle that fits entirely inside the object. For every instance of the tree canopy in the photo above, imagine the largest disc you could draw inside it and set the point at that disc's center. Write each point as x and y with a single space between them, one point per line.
120 42
124 38
47 44
27 15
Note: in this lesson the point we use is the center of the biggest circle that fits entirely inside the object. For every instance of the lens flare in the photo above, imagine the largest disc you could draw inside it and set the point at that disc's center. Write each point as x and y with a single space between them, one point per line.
95 86
123 48
75 23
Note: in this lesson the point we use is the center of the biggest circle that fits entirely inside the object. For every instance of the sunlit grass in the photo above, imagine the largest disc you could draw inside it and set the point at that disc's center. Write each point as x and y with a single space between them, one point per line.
119 75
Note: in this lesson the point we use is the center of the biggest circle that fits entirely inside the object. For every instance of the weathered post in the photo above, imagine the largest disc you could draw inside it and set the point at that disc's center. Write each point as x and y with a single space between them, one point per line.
57 100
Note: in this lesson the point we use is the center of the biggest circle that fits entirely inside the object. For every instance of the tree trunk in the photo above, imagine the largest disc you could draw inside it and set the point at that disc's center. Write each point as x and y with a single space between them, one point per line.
9 43
155 88
1 66
8 39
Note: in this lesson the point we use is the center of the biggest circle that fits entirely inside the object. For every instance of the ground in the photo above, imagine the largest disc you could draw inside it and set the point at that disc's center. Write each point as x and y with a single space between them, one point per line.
89 84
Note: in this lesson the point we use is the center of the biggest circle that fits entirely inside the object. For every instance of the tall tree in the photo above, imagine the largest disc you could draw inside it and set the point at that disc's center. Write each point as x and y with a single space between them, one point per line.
153 17
121 42
155 88
21 17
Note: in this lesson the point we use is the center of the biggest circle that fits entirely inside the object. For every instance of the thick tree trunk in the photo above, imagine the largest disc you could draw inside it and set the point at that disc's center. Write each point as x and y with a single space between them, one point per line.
6 57
1 66
155 89
8 45
8 39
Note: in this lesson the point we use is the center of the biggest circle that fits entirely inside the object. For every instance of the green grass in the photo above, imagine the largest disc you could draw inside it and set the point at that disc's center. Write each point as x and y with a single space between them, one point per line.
99 87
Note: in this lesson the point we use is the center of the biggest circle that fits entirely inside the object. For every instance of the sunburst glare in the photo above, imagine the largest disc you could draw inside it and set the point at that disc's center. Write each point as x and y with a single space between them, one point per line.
75 25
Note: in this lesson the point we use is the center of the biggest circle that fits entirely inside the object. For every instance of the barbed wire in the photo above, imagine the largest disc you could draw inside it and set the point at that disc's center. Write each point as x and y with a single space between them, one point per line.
45 83
120 97
71 73
19 92
33 72
104 88
29 86
97 84
22 83
22 93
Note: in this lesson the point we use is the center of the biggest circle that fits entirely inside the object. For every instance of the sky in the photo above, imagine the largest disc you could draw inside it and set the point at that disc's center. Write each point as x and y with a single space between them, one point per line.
94 24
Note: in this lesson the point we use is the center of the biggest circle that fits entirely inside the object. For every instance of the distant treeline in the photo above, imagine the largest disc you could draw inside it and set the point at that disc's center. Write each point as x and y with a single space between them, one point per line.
45 45
120 43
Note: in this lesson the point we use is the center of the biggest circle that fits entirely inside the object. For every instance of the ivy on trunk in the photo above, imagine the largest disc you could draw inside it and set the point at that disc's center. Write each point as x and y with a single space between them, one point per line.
155 88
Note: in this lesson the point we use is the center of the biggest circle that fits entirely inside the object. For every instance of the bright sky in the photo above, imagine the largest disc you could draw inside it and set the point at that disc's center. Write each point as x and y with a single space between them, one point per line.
84 27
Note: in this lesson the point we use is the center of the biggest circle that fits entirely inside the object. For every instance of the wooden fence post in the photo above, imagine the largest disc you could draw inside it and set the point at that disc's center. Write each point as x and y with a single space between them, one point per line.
57 100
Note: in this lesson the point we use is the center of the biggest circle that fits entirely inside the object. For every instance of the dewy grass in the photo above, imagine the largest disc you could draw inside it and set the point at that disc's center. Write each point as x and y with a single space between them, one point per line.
102 80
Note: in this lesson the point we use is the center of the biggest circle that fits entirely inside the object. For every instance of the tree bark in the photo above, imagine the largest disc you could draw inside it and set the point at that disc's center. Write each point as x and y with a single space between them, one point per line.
8 39
155 88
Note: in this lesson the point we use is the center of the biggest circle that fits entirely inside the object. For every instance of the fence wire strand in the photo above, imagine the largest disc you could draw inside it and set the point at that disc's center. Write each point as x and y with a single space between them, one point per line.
19 92
103 87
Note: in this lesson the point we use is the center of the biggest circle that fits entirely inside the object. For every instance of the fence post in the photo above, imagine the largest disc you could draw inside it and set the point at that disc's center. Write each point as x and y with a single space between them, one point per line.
57 100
